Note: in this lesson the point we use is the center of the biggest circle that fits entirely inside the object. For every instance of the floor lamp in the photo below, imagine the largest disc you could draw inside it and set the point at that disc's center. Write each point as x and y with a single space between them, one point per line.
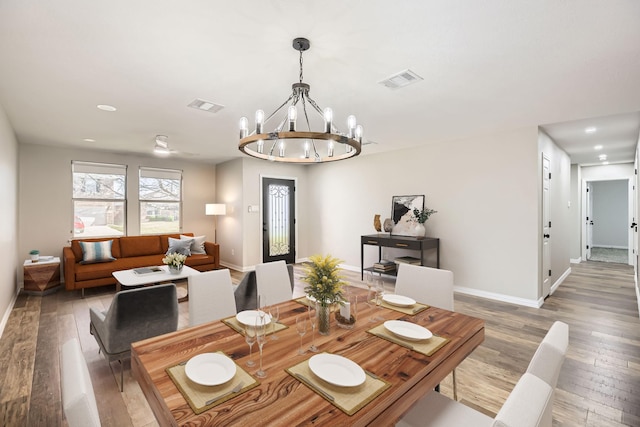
215 209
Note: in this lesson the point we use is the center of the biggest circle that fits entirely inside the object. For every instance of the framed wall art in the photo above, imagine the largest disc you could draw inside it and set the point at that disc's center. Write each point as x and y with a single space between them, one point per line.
402 213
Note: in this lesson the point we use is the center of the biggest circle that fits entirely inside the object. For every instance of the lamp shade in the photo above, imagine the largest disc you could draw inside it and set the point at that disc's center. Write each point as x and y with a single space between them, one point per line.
215 209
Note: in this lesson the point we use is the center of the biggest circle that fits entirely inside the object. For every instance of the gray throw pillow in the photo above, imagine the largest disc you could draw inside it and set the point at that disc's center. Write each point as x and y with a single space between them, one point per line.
180 246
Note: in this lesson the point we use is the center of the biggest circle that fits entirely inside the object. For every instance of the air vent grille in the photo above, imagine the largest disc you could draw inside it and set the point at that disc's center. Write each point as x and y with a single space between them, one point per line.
401 79
201 104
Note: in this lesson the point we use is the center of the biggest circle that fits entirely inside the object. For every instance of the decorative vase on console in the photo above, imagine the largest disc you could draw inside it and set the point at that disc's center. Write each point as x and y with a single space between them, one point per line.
420 217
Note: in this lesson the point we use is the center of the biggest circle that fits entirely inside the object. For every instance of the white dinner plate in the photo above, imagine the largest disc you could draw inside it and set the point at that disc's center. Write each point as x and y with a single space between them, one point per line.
248 317
210 369
408 330
398 300
337 370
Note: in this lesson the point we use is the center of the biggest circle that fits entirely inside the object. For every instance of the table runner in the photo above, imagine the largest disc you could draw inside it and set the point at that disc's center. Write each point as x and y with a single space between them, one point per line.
348 399
426 347
198 395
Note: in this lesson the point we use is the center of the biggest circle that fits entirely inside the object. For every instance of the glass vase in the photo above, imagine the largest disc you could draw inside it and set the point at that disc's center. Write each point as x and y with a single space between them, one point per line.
324 319
175 270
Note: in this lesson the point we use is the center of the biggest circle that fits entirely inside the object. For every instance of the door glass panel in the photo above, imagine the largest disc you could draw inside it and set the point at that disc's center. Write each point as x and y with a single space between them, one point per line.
278 221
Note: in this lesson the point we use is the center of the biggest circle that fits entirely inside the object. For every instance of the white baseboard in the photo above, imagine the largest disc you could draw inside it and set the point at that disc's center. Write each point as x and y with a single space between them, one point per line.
7 313
556 285
498 297
635 279
575 260
236 267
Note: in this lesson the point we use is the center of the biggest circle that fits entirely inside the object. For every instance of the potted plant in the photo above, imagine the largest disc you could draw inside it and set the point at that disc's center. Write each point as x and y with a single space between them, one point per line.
175 261
325 285
421 216
35 255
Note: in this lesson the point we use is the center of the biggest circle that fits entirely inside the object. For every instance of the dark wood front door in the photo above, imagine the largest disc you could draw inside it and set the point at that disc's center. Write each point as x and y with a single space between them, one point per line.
278 220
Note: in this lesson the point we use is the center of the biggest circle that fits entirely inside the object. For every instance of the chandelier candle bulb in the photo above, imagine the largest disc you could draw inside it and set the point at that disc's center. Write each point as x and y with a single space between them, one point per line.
359 133
259 121
293 115
281 148
260 146
306 149
328 119
330 150
351 125
244 127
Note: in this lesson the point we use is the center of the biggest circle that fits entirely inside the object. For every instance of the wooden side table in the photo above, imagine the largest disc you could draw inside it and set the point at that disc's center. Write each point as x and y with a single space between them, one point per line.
42 277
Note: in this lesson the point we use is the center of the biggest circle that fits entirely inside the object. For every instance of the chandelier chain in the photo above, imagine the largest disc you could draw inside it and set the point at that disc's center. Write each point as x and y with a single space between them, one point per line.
300 66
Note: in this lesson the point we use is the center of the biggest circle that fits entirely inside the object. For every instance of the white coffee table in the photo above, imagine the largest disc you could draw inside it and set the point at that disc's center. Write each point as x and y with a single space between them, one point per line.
128 278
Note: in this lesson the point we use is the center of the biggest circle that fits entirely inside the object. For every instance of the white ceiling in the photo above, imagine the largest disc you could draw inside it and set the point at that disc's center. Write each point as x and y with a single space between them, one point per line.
487 66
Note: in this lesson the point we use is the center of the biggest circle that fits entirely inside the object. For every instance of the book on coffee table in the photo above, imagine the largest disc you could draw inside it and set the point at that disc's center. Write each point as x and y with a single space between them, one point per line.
147 270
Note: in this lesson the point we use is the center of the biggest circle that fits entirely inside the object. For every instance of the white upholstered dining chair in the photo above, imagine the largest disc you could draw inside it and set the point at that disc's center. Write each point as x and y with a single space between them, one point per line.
427 285
78 399
210 296
530 403
273 280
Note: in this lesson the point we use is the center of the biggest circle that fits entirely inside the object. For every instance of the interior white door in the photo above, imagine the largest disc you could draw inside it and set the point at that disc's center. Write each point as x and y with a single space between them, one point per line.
546 228
589 219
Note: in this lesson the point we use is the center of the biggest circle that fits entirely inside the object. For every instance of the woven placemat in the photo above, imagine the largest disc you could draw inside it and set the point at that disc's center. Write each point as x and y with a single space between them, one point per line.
426 347
233 323
411 311
348 399
199 395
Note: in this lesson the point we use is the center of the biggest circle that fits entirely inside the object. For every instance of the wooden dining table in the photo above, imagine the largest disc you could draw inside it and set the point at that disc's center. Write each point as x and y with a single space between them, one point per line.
281 399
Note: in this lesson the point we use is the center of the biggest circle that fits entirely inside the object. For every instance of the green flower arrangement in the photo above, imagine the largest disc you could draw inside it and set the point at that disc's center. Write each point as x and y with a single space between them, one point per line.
324 280
174 260
422 215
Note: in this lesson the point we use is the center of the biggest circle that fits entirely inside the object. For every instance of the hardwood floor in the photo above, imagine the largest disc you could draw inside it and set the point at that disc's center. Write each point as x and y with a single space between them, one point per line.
599 384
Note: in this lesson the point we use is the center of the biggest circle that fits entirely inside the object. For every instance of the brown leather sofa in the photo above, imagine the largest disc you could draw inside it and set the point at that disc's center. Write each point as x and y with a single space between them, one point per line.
129 252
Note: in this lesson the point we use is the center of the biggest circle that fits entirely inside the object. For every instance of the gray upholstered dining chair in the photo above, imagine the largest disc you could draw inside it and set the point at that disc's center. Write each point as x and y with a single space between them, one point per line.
134 315
431 286
210 296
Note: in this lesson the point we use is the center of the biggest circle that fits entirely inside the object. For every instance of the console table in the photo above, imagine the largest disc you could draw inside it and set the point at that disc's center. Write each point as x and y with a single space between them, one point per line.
401 242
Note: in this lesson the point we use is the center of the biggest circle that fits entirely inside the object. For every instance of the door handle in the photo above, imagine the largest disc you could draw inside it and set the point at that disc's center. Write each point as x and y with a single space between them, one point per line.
633 224
546 236
590 222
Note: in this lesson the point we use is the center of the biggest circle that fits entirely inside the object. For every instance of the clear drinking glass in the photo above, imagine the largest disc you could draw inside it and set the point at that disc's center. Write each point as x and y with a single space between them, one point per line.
313 320
261 337
274 312
301 327
371 303
250 338
379 292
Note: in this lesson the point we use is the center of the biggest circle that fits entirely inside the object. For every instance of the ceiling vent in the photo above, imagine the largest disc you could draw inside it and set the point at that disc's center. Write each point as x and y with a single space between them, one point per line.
401 79
201 104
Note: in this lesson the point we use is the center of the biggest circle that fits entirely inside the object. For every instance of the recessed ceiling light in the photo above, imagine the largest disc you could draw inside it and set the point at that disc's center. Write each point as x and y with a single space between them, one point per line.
602 157
590 129
598 147
105 107
605 163
89 140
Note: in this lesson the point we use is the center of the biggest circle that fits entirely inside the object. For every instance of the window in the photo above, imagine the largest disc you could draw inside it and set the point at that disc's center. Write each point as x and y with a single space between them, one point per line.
99 199
160 197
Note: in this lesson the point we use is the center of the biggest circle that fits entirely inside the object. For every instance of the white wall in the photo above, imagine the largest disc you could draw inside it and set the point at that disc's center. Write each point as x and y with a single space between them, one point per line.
45 206
610 213
485 190
575 251
11 262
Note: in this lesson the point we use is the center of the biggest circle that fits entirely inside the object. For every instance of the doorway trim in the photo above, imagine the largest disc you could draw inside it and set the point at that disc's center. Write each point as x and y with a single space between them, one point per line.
295 196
